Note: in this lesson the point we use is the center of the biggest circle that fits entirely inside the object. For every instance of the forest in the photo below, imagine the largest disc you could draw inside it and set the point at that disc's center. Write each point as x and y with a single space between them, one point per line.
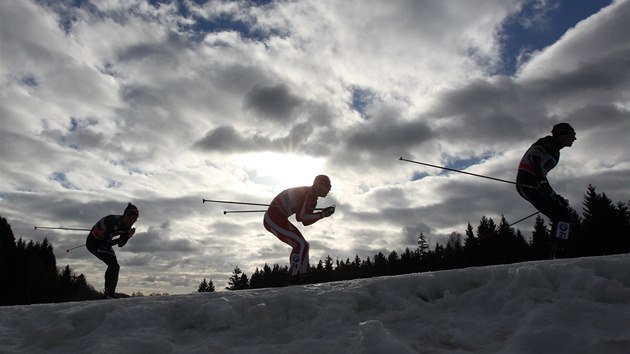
29 273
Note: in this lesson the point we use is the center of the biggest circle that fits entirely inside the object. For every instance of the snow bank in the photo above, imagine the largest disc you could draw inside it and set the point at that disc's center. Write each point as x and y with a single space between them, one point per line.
562 306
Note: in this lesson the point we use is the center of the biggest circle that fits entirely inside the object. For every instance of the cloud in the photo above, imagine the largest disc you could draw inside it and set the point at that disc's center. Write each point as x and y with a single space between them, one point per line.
227 139
273 102
593 38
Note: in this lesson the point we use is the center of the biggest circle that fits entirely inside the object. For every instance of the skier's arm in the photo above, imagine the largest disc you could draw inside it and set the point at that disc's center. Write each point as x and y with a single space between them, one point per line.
305 214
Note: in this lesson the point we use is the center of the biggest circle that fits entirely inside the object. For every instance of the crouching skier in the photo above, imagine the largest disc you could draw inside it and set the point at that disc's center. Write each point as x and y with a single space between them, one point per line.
533 186
300 201
101 239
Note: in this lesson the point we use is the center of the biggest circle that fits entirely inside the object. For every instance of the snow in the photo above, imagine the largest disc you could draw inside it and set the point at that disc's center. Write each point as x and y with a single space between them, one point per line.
560 306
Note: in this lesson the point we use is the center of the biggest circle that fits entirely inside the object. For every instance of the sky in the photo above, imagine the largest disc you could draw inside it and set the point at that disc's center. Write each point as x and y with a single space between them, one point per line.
166 103
578 306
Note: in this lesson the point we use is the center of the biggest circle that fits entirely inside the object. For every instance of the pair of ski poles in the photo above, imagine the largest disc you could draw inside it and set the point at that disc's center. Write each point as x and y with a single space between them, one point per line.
481 176
65 229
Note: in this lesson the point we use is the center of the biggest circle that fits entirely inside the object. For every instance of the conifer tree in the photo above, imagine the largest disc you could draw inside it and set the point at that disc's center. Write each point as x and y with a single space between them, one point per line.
485 234
202 286
392 266
380 264
238 280
8 274
602 225
470 236
210 288
205 286
423 245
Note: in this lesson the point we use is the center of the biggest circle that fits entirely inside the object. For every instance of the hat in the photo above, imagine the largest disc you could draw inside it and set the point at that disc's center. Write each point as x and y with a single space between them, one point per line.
561 129
131 209
321 180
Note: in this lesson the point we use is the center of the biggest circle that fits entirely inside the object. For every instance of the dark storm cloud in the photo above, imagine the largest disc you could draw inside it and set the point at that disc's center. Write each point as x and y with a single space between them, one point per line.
274 102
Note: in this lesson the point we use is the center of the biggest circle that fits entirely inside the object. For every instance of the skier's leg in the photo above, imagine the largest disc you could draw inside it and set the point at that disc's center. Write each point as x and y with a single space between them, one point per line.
556 214
111 275
539 200
105 253
289 234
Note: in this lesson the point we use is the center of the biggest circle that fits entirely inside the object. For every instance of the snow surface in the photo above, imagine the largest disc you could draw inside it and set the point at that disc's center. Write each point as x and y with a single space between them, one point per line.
562 306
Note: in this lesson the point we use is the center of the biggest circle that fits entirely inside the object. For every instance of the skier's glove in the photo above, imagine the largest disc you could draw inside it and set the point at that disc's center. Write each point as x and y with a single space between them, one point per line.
562 201
122 240
328 211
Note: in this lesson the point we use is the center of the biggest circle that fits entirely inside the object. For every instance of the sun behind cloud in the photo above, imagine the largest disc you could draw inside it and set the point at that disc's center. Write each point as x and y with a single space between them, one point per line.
281 171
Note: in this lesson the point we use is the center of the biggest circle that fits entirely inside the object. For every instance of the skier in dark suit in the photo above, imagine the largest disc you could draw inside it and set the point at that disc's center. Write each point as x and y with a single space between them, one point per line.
101 239
533 185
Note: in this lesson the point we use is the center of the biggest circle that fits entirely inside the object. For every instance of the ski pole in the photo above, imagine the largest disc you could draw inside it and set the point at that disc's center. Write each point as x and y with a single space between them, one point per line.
60 228
245 203
242 211
74 248
464 172
229 202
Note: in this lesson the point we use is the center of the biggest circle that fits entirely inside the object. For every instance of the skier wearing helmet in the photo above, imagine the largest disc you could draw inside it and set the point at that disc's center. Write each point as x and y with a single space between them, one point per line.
300 201
533 186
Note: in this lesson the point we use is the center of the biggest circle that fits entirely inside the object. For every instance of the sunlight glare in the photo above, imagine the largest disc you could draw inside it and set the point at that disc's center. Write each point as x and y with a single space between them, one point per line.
282 170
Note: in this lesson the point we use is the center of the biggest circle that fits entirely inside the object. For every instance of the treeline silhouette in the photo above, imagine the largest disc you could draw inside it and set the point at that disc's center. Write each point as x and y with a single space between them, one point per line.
602 229
29 273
